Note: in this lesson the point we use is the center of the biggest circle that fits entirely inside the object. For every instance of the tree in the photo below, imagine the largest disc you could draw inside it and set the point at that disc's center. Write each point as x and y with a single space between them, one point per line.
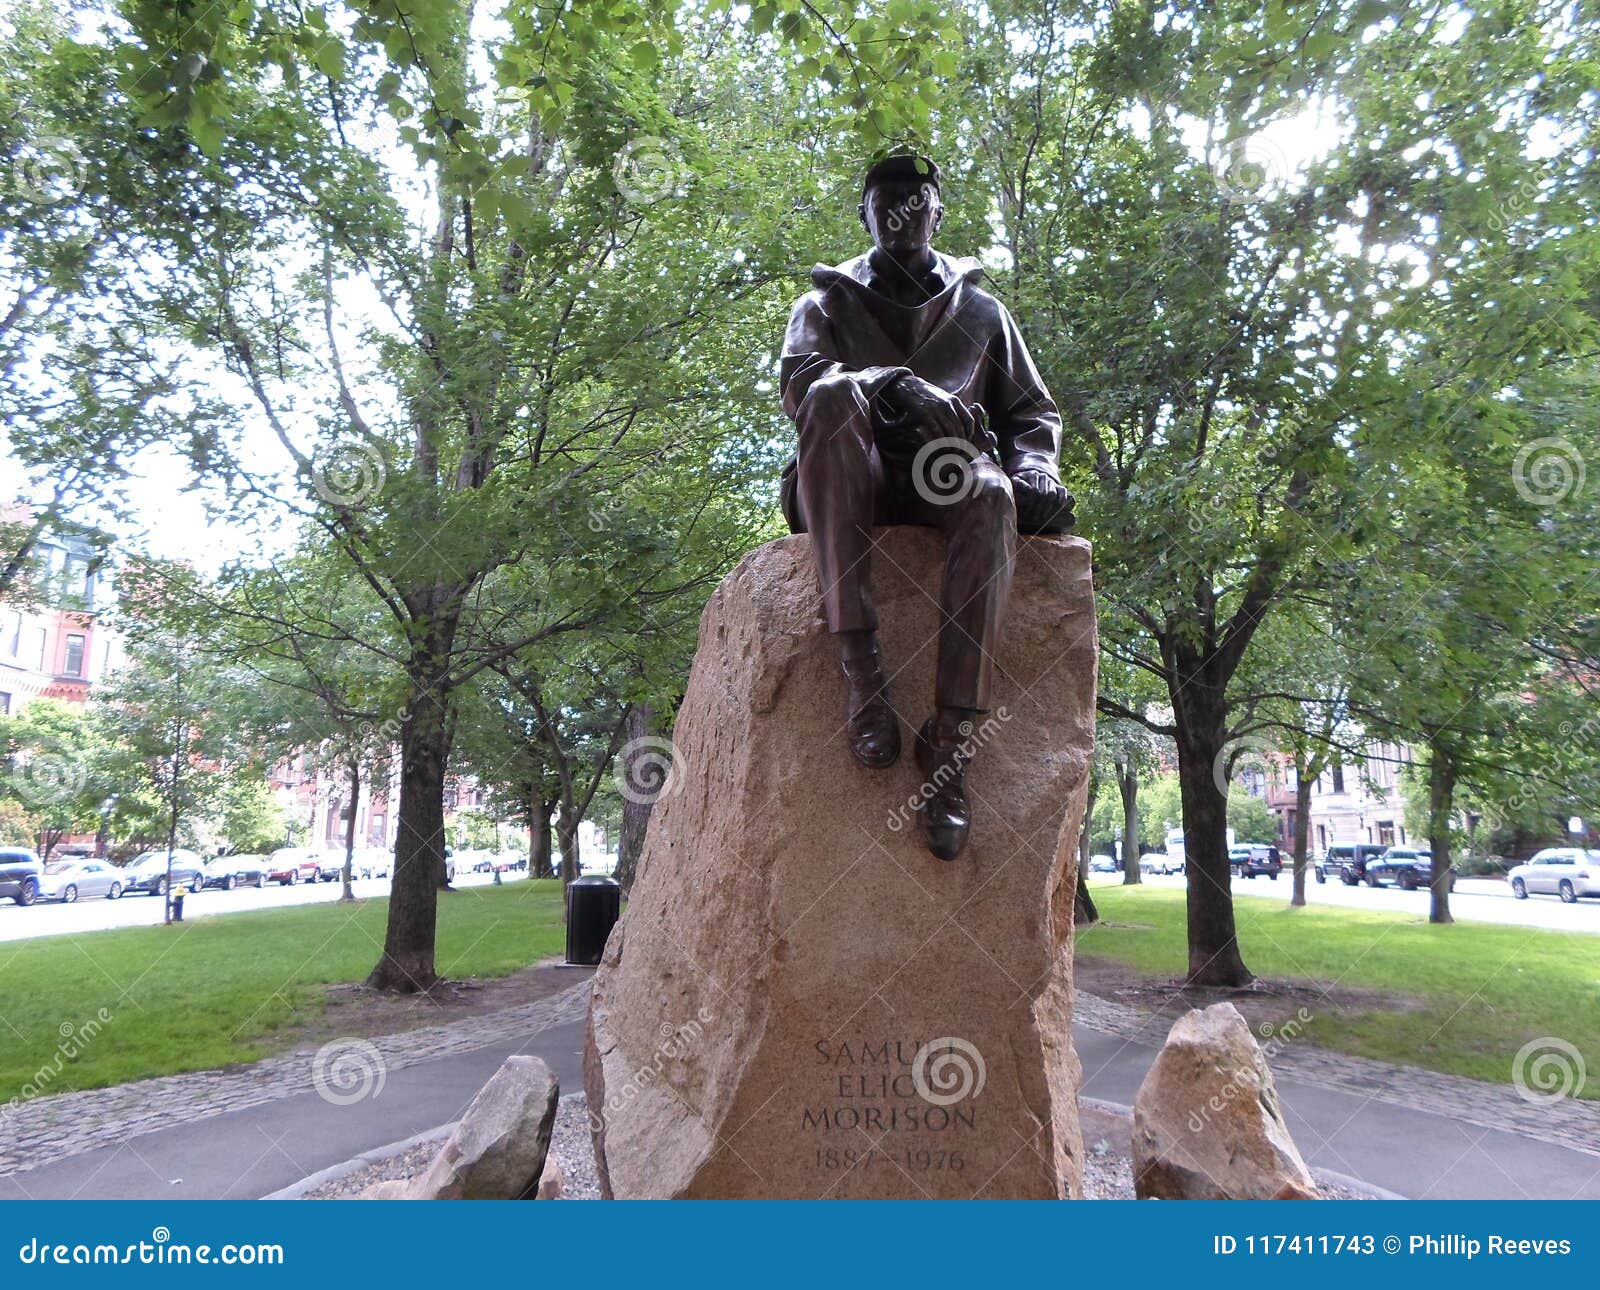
57 759
1240 345
557 321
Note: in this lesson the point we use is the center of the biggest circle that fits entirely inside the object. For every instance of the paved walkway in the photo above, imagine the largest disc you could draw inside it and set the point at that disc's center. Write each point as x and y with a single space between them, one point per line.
254 1130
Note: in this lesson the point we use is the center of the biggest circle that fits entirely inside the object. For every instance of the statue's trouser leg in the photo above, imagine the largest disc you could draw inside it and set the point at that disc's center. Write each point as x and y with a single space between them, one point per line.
840 480
981 540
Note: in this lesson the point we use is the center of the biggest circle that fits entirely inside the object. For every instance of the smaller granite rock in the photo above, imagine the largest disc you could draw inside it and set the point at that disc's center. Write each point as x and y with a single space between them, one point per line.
499 1150
1207 1124
552 1182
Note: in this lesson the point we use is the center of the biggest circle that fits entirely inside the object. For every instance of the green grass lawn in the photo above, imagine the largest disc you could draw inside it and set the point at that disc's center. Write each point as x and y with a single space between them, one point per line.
230 988
1481 991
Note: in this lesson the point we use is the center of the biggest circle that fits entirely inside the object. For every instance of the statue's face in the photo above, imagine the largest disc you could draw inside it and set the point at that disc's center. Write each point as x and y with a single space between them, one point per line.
902 216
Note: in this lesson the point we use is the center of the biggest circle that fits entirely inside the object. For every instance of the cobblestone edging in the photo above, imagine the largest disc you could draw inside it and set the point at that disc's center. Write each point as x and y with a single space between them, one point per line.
1566 1122
48 1128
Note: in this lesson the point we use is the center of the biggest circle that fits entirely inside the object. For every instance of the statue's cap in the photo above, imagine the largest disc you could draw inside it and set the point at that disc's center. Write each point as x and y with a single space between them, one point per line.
902 167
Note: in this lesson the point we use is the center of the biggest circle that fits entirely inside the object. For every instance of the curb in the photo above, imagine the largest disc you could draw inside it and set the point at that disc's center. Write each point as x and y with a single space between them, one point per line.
333 1173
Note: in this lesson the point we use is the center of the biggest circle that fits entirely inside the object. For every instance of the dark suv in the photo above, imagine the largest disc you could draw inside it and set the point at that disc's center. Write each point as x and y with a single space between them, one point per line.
19 875
1349 859
1250 859
1406 867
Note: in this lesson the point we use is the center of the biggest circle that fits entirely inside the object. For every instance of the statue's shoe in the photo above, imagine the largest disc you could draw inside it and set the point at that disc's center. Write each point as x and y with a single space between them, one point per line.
944 815
873 728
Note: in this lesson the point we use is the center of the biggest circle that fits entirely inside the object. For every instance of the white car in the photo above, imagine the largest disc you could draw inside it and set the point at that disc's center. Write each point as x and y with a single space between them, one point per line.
72 880
1160 862
1568 872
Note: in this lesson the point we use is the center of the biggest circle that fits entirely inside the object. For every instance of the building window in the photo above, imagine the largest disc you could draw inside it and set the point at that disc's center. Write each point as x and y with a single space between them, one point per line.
1386 832
1338 779
13 633
74 655
5 704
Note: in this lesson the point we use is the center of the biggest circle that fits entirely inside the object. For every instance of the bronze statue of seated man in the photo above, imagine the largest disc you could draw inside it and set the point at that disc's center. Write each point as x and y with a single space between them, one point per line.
916 402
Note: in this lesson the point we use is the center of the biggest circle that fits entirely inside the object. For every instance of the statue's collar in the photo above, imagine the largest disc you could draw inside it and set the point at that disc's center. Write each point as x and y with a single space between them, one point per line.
951 271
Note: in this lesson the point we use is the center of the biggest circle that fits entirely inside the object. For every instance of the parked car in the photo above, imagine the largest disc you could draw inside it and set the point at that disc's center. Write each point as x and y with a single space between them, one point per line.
1160 862
1406 867
1103 864
1349 859
1250 859
372 862
70 880
148 871
288 865
20 872
229 872
1568 872
330 865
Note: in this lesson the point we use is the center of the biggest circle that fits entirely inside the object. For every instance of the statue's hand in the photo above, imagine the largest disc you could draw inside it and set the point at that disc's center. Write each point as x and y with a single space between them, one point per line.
1043 505
919 412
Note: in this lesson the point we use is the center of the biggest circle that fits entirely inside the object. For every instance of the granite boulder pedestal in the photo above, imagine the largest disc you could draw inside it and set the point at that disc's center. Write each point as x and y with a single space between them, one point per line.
800 1000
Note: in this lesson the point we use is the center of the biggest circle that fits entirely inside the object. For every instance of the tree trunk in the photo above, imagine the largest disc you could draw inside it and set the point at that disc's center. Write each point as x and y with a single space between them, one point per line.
348 893
1441 799
1128 786
407 965
1085 838
636 807
567 839
1083 907
1214 958
1302 829
541 862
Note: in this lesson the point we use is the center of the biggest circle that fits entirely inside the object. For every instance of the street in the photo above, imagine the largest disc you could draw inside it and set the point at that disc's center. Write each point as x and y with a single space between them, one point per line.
1482 900
18 924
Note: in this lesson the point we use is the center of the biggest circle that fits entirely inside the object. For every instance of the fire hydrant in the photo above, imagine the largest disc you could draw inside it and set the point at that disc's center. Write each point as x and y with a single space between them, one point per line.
178 893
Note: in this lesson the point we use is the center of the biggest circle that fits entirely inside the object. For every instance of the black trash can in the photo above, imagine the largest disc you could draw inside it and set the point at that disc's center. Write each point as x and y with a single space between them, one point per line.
594 904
